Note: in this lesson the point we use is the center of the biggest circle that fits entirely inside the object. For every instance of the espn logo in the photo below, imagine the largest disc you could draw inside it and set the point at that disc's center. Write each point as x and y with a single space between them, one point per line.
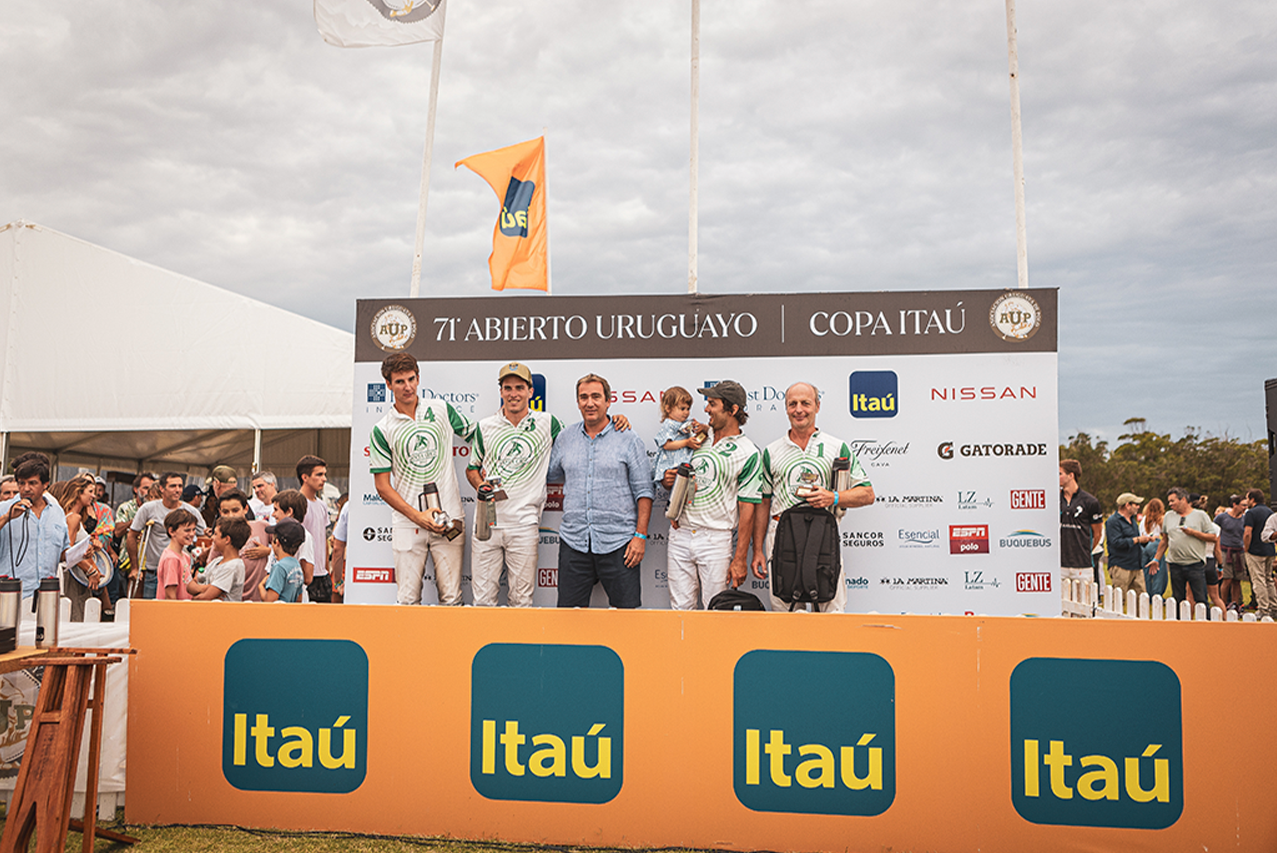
969 539
373 576
1028 499
547 578
554 497
1032 581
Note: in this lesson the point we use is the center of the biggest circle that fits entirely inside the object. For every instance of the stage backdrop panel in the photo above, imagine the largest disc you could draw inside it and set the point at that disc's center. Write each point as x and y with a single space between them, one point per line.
947 397
706 729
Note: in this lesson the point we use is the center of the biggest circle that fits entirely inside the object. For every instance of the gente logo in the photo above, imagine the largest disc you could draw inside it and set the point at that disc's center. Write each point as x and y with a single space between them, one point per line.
547 723
1065 770
295 715
792 753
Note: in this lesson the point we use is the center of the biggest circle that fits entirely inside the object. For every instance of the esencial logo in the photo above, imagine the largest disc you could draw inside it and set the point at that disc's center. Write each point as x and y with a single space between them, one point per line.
814 732
1096 743
874 393
295 715
547 723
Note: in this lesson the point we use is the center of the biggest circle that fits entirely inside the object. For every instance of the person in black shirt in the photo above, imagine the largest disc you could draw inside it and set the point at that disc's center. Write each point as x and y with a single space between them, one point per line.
1081 525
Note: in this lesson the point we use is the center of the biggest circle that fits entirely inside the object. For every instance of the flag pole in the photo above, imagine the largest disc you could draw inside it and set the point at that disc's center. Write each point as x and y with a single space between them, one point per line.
415 290
1017 151
695 153
545 191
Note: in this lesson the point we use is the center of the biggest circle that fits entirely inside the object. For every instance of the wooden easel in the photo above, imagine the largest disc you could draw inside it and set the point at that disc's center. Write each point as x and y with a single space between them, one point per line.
46 781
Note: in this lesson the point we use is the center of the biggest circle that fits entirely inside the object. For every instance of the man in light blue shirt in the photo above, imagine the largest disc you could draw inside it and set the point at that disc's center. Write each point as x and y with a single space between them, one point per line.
33 529
607 501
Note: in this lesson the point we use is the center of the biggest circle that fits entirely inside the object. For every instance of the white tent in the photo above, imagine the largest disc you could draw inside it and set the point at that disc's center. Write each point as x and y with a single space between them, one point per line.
108 362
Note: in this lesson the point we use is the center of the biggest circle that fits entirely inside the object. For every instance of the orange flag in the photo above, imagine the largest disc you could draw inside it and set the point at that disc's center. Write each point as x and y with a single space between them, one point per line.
517 175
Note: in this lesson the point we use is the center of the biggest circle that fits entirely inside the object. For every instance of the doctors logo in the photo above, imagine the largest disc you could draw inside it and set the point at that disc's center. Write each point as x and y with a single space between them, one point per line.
1028 499
1015 317
791 754
514 212
874 394
295 715
547 723
393 328
1066 770
1025 539
973 500
918 538
376 392
968 539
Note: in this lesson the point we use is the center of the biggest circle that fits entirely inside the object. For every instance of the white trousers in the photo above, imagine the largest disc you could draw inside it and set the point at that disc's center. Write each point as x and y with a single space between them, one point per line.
837 605
411 546
697 566
515 549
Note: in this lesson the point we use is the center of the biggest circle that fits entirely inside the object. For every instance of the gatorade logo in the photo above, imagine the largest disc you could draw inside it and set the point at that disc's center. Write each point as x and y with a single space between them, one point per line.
295 715
514 213
814 732
1097 743
547 723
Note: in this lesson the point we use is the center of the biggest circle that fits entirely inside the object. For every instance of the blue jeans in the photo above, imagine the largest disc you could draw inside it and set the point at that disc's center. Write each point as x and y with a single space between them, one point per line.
150 582
579 571
1154 583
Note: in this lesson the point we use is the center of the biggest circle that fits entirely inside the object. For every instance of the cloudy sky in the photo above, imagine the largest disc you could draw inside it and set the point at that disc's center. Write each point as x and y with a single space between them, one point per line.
845 145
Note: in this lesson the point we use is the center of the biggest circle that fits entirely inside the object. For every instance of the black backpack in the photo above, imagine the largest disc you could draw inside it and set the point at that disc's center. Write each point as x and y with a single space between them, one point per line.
735 599
807 556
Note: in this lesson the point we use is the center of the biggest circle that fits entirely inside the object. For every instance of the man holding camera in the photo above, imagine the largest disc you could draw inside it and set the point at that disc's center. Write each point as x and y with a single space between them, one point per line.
410 447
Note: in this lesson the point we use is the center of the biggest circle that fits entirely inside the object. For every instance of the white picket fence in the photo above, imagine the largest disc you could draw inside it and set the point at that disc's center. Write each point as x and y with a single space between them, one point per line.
1083 599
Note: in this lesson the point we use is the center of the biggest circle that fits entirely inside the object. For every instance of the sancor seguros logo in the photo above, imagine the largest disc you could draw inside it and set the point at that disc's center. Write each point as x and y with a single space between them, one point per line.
547 723
814 732
1067 770
295 715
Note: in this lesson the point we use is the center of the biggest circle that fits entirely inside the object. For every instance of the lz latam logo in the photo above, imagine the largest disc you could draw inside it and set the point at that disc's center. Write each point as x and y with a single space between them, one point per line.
873 393
1067 771
394 328
979 580
918 538
789 754
968 539
295 715
1025 539
1015 317
1032 581
376 392
547 723
972 500
1028 499
537 403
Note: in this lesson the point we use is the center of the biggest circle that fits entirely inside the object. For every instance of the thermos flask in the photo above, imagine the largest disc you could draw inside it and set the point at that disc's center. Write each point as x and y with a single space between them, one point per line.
429 500
10 602
485 512
840 481
46 613
681 492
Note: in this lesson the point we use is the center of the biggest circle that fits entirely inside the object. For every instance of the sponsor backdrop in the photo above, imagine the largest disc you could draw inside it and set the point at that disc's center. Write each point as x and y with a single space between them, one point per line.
947 397
708 730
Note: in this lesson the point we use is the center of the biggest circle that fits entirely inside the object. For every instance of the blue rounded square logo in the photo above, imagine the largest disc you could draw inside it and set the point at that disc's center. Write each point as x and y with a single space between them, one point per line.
874 394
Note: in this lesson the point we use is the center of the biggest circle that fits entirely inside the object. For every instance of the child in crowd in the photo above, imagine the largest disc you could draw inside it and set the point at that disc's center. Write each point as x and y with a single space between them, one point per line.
174 572
284 583
225 573
234 504
291 503
679 436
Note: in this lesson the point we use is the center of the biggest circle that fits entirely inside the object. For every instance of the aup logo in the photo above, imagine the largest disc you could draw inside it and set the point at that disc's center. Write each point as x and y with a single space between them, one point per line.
537 403
1066 770
814 732
514 213
295 715
547 723
873 394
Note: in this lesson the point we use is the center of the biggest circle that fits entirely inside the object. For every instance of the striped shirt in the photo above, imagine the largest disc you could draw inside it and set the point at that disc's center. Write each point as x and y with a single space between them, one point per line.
416 451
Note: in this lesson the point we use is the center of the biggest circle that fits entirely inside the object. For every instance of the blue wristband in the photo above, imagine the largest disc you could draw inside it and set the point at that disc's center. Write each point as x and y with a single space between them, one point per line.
642 536
836 496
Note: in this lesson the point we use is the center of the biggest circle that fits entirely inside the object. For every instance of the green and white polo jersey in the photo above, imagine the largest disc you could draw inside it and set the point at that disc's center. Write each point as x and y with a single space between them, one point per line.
419 451
786 466
520 455
726 472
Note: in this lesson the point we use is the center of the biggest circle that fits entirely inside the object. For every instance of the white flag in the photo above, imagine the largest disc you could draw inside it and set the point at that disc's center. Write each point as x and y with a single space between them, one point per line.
379 23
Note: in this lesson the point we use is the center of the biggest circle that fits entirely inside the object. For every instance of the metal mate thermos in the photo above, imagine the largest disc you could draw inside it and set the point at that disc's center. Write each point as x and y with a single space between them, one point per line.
485 512
10 602
46 613
840 481
429 500
681 492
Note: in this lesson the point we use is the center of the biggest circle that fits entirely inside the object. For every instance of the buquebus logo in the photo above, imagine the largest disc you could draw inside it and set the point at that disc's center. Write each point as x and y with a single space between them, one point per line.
790 754
968 538
295 715
1025 539
547 723
1065 770
874 394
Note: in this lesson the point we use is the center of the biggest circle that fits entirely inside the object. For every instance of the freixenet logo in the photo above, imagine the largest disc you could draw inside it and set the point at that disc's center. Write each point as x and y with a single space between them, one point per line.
1065 770
547 723
874 394
789 754
295 715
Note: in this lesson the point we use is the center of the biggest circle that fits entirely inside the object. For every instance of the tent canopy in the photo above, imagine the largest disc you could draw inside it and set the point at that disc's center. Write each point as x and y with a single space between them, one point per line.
195 393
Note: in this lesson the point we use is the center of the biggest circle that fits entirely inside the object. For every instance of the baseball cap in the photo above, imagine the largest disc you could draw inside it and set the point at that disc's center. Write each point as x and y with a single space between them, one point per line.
289 533
1129 497
99 480
223 474
727 391
190 492
515 369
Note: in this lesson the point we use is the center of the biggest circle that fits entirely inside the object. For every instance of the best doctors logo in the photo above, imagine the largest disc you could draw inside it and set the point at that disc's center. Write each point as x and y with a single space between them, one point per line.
295 715
791 754
376 392
1066 770
547 723
873 393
